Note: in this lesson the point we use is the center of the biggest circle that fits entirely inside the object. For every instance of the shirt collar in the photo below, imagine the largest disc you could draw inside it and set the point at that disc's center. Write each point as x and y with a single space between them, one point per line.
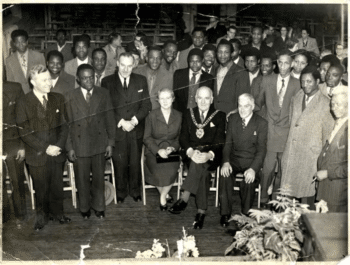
122 79
286 79
40 95
61 48
198 73
82 62
85 91
246 120
25 55
113 49
228 65
254 75
236 61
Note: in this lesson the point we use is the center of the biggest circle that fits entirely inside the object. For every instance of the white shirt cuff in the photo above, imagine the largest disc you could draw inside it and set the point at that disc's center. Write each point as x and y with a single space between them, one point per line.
211 152
189 150
134 119
120 123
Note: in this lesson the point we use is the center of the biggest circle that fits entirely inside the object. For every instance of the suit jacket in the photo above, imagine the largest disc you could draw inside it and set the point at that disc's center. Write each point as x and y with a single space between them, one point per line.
173 66
11 93
65 83
234 84
14 70
183 57
158 131
214 134
92 128
134 102
112 58
334 159
66 51
311 45
214 34
279 44
163 79
38 133
240 62
278 118
263 48
71 67
181 86
245 148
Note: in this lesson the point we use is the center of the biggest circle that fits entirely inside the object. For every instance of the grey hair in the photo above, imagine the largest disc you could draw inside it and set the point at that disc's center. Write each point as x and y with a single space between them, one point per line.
166 89
204 88
36 69
126 54
247 96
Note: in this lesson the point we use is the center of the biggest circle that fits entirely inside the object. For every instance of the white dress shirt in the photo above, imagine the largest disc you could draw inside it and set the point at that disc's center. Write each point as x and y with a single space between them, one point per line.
279 84
134 119
252 76
40 95
20 59
198 75
54 81
82 62
85 92
61 48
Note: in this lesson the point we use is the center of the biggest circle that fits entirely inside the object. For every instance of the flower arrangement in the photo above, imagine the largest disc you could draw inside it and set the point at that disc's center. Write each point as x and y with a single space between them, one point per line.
273 235
157 251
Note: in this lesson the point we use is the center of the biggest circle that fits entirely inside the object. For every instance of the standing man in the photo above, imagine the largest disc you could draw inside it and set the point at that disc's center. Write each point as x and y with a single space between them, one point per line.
188 80
99 62
310 125
333 80
326 62
308 43
214 30
43 129
244 152
91 139
231 80
201 138
62 46
61 81
157 77
209 62
170 56
198 35
130 99
20 62
252 61
257 42
332 164
276 94
236 58
113 49
231 34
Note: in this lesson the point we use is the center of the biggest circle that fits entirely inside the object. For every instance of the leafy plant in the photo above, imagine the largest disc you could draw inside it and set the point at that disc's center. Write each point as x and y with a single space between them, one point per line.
267 235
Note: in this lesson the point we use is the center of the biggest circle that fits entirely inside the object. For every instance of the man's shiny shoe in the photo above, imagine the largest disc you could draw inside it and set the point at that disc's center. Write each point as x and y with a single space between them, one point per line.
38 226
163 208
224 220
100 214
86 215
178 207
137 198
199 221
120 200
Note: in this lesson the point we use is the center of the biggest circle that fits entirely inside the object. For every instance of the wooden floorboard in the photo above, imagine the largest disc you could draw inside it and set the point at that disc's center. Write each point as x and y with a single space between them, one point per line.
127 228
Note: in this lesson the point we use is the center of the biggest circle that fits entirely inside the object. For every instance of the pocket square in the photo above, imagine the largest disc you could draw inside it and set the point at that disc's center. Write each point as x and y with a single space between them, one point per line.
212 124
57 110
140 90
254 132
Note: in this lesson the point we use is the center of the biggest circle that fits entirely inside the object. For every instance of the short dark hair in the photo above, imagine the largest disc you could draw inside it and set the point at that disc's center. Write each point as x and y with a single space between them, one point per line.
154 48
61 30
330 58
268 55
237 41
302 52
338 66
226 42
311 69
84 66
285 52
232 27
133 51
54 53
113 35
201 29
140 34
306 29
167 42
145 40
17 33
252 52
258 27
195 51
209 47
99 50
81 38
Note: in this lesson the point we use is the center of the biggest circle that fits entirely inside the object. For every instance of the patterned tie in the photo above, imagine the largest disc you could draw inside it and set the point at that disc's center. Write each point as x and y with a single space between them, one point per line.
280 95
24 64
243 124
98 80
44 102
124 85
202 117
88 97
193 79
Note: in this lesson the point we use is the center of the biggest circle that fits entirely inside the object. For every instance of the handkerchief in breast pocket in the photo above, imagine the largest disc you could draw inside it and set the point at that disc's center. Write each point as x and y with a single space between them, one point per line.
57 110
212 124
140 91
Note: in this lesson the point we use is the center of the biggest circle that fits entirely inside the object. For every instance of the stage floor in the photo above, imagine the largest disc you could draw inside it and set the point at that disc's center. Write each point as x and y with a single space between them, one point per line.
127 228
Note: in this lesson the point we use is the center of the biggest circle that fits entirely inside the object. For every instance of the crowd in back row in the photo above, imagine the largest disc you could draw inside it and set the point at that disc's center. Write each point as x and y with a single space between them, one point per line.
97 105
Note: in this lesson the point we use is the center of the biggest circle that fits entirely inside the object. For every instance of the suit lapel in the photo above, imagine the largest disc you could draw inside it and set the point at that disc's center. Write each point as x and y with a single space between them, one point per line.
80 101
119 85
287 95
95 101
335 142
17 66
131 90
160 116
249 128
30 62
275 98
50 108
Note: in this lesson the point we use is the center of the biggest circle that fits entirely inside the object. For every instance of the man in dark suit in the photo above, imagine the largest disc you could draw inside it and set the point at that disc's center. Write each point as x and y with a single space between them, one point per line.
188 80
231 80
99 62
62 46
257 42
131 103
252 61
332 164
244 152
91 139
61 81
201 138
209 62
43 129
276 94
236 54
214 30
13 150
20 62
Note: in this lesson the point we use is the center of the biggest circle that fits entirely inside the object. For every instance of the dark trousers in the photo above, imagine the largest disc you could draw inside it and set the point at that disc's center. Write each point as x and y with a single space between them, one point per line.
48 186
198 183
127 159
246 192
17 177
86 189
268 172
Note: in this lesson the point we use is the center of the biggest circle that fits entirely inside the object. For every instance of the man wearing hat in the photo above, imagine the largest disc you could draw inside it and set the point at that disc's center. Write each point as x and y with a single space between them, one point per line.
188 80
209 62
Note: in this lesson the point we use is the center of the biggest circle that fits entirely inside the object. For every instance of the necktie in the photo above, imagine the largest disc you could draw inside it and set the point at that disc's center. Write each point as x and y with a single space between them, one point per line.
304 44
98 80
202 117
44 102
24 65
330 92
280 95
193 79
124 85
243 124
88 97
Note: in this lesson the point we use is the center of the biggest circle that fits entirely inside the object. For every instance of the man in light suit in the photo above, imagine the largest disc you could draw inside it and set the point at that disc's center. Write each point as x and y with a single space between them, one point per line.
61 81
276 94
43 129
201 138
131 103
91 139
244 152
231 80
113 49
19 63
157 77
62 46
308 43
332 164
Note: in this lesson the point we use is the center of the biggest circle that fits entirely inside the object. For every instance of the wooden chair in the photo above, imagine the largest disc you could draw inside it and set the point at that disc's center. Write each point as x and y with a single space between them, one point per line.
239 178
145 186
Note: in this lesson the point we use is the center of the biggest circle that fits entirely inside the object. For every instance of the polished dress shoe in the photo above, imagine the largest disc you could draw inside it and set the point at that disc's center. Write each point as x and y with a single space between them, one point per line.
120 200
224 220
199 221
100 214
86 215
137 198
163 208
169 199
178 207
38 226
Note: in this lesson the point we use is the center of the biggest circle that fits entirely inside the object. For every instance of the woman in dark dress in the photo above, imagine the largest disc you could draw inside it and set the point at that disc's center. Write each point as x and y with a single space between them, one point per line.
161 137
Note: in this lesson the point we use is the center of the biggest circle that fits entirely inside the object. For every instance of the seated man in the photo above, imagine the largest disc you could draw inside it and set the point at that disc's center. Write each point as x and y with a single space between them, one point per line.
244 152
202 137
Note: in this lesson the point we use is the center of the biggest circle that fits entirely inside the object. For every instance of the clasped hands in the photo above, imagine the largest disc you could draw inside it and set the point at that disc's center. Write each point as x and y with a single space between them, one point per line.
249 174
163 153
128 125
53 150
199 157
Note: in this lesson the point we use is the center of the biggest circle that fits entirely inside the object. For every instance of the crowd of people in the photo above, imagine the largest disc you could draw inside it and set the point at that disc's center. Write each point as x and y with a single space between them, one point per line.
273 110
